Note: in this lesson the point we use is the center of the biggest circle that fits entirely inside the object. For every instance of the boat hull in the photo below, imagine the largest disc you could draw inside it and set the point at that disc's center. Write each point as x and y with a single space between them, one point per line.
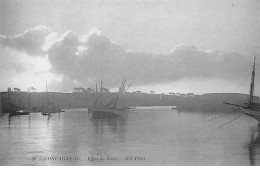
107 112
51 111
19 112
252 113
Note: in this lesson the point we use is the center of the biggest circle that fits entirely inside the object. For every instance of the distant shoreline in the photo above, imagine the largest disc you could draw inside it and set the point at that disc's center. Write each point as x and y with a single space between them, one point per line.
211 102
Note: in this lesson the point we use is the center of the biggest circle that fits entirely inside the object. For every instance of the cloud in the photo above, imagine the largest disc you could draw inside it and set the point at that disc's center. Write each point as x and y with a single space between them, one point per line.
93 30
62 54
31 41
10 63
82 60
18 69
99 58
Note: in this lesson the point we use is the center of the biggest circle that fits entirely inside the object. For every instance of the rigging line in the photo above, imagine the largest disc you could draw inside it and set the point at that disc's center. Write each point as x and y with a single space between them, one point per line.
230 121
219 116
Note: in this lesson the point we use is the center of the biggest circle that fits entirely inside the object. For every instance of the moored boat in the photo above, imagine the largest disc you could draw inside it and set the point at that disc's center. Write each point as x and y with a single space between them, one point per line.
48 108
112 108
251 108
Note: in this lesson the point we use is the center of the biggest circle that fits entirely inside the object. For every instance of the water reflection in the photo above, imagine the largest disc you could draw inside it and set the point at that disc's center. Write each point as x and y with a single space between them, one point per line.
253 144
49 116
115 124
13 117
164 137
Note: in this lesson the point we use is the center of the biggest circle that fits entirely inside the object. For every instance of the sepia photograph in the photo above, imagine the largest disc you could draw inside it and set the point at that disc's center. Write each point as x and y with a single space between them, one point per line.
129 82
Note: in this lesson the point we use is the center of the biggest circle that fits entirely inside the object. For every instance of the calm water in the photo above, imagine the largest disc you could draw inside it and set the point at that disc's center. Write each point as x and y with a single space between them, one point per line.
147 136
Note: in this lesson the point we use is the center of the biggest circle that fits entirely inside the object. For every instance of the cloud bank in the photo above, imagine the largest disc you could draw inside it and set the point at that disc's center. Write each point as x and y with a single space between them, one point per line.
83 60
30 41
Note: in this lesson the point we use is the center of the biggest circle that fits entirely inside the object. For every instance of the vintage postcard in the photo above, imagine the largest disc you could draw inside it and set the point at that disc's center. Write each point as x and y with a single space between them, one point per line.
129 82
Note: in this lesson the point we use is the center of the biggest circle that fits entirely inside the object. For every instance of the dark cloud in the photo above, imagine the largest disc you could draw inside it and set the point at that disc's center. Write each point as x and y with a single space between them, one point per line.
62 55
30 41
101 59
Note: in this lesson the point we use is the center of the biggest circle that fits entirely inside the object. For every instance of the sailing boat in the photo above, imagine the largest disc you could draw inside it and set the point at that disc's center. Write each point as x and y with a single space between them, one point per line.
49 108
19 110
251 108
25 111
112 108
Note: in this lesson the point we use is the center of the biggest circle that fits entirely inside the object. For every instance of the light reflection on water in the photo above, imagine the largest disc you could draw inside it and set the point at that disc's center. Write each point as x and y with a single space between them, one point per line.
253 145
160 135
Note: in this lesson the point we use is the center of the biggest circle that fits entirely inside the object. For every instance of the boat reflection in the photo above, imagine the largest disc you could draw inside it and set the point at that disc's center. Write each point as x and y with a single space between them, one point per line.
114 124
12 118
108 137
253 145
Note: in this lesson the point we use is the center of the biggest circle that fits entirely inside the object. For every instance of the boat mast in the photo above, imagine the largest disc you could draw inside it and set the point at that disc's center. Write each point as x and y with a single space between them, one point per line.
251 96
19 100
101 88
29 98
47 95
